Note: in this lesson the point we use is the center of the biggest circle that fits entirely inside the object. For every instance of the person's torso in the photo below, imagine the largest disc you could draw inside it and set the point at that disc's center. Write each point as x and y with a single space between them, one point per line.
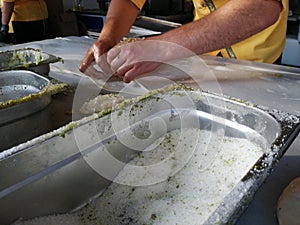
29 10
265 46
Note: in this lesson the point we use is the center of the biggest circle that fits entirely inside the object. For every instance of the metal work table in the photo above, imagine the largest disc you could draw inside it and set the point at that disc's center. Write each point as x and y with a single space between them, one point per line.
267 85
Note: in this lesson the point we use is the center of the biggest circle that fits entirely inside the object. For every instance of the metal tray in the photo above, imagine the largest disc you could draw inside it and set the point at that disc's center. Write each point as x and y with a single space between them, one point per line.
48 168
16 87
29 58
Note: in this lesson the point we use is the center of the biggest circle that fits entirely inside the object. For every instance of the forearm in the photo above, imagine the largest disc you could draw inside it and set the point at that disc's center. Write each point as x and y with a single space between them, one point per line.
7 10
120 17
233 22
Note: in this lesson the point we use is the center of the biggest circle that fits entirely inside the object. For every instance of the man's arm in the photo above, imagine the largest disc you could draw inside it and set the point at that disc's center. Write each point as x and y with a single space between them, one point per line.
120 17
7 10
233 22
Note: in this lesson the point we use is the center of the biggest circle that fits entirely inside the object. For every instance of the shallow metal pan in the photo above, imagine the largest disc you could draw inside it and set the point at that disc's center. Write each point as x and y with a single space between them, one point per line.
16 85
46 169
29 58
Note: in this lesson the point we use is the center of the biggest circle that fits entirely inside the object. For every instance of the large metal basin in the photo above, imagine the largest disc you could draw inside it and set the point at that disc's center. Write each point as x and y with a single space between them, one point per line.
64 169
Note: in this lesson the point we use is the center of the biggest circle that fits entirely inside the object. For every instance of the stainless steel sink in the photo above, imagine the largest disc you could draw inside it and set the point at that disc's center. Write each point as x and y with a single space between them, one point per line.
54 173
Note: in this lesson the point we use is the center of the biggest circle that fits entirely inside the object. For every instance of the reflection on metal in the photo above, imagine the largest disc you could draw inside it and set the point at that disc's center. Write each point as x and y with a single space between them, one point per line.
16 85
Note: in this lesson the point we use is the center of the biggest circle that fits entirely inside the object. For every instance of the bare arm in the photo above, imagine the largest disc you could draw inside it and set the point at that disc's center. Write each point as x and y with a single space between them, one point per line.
231 23
120 17
234 22
7 10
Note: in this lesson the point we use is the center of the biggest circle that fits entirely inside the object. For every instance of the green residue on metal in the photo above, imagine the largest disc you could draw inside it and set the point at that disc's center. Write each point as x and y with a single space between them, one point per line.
51 89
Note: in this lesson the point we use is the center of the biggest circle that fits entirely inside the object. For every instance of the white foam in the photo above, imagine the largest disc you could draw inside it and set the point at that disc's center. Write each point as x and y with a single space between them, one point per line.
189 197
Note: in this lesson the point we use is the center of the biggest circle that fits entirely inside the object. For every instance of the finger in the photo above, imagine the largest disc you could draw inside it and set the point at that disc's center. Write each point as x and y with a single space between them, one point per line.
118 62
104 65
92 72
139 69
87 60
101 59
121 71
131 74
96 53
112 54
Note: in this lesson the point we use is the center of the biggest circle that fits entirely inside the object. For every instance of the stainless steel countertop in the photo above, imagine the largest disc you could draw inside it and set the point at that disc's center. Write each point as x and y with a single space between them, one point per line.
267 85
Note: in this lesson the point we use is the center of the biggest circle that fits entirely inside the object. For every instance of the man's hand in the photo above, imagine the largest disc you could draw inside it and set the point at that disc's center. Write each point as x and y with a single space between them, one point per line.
97 53
134 58
119 19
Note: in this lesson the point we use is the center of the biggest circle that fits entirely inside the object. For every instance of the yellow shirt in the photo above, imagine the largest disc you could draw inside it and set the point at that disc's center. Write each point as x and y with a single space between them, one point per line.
265 46
29 10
